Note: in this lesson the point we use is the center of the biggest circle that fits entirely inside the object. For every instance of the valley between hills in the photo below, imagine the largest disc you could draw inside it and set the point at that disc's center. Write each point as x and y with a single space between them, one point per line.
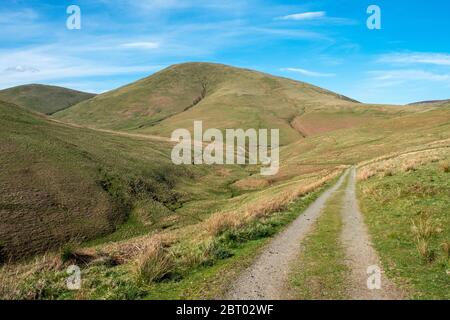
88 180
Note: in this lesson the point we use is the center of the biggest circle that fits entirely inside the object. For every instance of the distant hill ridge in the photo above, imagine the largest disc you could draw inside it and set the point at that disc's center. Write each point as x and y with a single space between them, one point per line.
43 98
436 102
223 97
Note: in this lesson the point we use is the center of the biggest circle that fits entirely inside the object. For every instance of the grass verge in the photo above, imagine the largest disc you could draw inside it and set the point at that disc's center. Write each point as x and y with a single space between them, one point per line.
408 217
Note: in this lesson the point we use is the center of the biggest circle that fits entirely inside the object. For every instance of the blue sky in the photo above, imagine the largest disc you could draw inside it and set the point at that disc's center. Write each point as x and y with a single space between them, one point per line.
326 43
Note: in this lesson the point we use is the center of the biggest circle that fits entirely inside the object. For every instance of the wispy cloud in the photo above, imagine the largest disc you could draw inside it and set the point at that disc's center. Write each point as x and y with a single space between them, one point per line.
384 78
441 59
147 6
316 18
21 69
303 16
309 73
22 15
141 45
43 64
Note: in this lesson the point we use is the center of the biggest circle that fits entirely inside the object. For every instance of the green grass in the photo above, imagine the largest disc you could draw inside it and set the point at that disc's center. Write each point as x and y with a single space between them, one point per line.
43 99
391 204
320 272
233 251
65 184
208 282
61 184
237 250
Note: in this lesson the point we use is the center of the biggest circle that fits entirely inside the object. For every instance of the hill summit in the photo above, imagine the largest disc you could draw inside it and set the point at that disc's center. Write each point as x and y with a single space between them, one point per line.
222 96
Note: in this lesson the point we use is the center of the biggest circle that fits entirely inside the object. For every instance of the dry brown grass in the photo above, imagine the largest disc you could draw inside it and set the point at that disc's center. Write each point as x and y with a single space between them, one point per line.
251 184
130 250
155 262
446 248
410 165
9 284
263 207
445 166
423 229
13 275
406 162
220 222
423 247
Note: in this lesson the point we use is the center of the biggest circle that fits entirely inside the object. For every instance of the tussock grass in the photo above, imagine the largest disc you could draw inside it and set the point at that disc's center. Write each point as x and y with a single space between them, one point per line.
155 262
446 248
219 223
425 251
445 166
424 229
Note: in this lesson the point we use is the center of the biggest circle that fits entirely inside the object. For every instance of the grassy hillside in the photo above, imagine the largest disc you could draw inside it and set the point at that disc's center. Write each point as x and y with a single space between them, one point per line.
337 129
60 183
42 98
146 227
223 97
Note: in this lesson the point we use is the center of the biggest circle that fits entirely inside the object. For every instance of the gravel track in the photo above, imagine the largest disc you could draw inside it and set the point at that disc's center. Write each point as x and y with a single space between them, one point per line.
266 278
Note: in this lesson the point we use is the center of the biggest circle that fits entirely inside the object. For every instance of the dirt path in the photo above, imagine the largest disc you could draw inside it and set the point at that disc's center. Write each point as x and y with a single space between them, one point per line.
118 133
267 277
360 252
138 135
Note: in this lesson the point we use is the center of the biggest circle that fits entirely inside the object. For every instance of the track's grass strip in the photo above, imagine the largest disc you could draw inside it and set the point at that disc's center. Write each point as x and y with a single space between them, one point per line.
320 271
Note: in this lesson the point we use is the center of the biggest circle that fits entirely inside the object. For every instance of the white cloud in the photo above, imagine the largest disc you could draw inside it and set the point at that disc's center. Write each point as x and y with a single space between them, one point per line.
146 6
304 16
22 69
141 45
24 15
58 56
309 73
406 75
44 65
441 59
